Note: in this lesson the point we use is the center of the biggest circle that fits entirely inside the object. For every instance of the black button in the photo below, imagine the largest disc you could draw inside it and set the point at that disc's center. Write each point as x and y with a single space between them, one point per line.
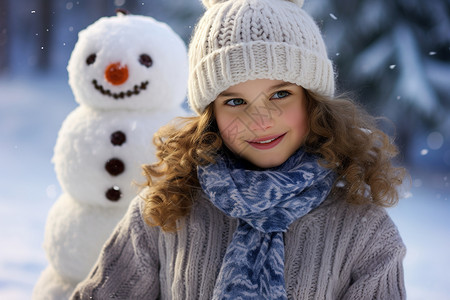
115 166
113 193
118 138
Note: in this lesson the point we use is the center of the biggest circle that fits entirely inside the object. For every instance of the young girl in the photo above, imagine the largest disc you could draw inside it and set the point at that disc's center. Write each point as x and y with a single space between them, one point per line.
274 191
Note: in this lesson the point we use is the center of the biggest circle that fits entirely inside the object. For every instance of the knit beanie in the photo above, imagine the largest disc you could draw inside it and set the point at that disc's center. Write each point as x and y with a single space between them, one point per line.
240 40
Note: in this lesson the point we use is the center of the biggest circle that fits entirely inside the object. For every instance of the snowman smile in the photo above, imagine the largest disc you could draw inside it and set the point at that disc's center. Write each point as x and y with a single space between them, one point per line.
135 91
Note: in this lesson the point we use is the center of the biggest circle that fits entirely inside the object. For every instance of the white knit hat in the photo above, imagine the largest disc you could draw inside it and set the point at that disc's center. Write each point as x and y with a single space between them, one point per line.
240 40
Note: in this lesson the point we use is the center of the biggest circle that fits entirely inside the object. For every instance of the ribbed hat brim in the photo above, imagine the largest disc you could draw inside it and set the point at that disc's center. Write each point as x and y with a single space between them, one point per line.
238 63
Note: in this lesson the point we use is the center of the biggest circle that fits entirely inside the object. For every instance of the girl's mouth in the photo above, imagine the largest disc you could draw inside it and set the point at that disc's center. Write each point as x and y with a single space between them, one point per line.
267 142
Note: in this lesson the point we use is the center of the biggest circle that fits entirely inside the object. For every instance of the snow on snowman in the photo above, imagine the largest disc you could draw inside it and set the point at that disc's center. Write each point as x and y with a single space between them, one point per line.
129 75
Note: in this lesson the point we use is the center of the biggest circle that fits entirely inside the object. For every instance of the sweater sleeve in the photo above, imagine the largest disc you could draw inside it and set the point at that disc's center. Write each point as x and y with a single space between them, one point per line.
378 273
128 264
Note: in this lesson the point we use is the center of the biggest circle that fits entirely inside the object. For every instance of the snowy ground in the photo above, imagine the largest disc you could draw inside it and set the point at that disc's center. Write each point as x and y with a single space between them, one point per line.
31 112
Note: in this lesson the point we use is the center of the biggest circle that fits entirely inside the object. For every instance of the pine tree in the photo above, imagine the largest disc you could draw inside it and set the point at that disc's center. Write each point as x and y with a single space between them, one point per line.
396 56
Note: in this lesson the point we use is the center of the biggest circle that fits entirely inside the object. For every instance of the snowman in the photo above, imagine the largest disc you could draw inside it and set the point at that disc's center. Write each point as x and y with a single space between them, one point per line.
129 75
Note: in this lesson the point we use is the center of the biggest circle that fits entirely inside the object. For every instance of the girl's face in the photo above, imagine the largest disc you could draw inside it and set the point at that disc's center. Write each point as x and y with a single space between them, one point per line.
263 121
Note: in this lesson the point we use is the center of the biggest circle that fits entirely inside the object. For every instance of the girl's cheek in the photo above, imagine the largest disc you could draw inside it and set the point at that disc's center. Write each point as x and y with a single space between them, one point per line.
234 132
293 116
296 117
229 128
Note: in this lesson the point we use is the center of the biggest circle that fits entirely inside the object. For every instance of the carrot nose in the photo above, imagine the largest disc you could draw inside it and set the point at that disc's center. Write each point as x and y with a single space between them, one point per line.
116 74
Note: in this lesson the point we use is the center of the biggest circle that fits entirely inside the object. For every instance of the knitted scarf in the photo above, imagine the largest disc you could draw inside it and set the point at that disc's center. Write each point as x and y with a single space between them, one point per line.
266 202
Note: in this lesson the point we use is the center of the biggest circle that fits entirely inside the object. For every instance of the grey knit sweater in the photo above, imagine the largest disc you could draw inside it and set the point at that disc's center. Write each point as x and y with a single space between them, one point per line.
337 251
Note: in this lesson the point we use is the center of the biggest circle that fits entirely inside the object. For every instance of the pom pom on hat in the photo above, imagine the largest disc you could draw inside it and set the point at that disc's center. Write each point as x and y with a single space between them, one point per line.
209 3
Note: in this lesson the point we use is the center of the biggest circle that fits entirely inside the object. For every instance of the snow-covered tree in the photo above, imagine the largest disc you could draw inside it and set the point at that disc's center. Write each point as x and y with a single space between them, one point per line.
395 55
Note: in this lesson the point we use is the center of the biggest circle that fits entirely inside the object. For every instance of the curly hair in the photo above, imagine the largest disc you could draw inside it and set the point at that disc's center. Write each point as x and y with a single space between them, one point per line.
348 140
343 134
180 148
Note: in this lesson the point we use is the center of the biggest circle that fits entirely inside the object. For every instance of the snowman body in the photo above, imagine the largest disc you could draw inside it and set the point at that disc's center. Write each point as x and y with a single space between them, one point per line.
129 75
98 152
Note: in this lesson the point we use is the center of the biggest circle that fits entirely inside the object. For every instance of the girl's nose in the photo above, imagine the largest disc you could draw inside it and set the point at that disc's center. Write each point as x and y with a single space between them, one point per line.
260 119
116 74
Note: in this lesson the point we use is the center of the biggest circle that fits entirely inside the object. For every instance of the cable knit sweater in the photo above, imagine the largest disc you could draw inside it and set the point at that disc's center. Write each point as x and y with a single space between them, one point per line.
337 251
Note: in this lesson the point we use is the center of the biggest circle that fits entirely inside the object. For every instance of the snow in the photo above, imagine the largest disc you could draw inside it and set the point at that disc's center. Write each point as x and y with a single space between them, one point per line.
412 84
423 221
32 109
31 112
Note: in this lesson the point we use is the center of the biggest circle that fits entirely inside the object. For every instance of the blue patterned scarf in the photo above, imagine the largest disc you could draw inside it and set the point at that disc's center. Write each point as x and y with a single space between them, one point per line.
266 202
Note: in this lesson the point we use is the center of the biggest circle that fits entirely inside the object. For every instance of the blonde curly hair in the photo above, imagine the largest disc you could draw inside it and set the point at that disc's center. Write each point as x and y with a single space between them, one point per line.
343 134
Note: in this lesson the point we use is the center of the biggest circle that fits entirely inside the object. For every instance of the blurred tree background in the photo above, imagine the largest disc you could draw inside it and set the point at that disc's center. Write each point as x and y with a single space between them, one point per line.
393 54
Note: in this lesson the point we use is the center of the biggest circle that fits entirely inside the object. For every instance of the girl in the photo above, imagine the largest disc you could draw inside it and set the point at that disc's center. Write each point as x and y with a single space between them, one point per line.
274 191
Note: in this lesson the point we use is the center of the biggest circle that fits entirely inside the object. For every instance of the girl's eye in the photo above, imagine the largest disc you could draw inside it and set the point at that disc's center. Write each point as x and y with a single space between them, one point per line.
235 102
280 94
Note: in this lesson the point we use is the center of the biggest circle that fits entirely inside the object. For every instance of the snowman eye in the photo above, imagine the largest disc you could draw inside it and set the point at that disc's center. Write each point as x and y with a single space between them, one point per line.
146 60
91 59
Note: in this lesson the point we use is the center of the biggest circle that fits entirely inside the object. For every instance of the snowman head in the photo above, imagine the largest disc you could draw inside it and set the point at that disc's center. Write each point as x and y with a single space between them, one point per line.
129 62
